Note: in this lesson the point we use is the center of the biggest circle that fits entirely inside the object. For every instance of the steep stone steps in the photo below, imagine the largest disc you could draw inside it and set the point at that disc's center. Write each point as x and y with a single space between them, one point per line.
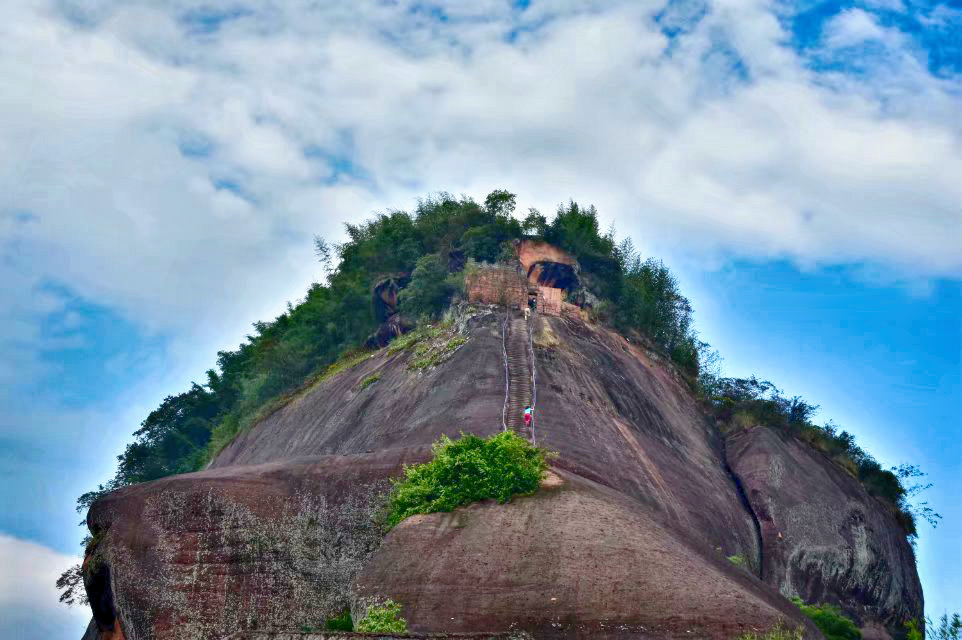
519 391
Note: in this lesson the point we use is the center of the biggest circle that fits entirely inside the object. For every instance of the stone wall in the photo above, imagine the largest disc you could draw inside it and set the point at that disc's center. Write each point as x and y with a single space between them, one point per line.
549 301
497 285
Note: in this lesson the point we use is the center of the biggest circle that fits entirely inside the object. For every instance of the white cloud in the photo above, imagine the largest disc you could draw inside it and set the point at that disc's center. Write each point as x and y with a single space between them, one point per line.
29 604
591 103
852 27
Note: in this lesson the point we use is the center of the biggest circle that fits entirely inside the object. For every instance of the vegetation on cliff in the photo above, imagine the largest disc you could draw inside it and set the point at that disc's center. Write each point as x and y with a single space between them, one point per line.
830 621
324 333
383 617
740 403
466 470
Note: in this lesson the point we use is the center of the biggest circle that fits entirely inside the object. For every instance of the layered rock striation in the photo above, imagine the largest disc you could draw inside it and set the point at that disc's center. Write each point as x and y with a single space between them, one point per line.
628 538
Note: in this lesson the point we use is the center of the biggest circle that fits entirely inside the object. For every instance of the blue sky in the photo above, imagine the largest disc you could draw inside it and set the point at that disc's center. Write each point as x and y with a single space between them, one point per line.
166 163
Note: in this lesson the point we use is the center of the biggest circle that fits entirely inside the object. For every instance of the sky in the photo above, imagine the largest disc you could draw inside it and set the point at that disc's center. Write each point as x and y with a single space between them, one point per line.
164 166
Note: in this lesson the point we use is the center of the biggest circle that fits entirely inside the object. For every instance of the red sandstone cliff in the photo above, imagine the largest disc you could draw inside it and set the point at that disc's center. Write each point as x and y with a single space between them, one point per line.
628 539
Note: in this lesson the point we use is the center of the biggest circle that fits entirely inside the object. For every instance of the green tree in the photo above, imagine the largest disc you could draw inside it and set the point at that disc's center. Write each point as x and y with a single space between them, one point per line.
500 203
535 223
430 289
949 628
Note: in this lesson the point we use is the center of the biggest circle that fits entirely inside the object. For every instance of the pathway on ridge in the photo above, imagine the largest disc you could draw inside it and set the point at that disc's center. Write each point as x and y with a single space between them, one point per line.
519 390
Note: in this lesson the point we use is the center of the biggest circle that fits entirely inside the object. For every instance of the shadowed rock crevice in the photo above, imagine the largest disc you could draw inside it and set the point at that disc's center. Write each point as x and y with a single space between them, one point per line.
554 274
105 624
758 560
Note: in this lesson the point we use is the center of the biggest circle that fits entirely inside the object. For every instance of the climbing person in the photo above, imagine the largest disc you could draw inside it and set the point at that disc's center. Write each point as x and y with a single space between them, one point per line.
527 416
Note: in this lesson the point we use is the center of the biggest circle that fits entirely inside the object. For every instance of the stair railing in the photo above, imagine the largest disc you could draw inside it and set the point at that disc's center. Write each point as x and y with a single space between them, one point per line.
507 374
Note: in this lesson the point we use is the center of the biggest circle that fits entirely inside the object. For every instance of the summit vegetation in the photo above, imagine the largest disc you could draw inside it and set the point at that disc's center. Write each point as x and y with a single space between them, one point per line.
429 248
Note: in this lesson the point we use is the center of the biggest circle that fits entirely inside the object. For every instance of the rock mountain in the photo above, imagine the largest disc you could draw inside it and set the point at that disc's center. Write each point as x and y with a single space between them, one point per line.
651 523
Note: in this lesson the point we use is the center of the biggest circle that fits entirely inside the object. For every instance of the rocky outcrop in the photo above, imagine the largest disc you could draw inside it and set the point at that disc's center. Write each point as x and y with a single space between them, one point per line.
629 540
273 546
384 299
532 252
576 560
824 538
547 265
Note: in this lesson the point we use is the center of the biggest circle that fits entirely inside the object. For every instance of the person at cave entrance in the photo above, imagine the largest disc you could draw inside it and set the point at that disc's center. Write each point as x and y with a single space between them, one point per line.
527 416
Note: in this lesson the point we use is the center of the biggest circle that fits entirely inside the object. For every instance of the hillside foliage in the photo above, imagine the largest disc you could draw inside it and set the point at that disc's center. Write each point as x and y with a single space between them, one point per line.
467 470
429 247
746 402
830 621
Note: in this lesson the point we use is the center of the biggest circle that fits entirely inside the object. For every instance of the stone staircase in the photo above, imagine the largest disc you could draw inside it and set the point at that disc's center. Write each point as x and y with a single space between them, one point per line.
519 392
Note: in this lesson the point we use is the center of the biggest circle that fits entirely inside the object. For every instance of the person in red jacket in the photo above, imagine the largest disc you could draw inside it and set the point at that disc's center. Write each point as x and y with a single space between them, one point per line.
527 416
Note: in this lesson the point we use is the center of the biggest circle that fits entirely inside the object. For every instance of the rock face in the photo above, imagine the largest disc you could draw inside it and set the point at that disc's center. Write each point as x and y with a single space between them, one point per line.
548 265
384 299
272 546
824 538
629 539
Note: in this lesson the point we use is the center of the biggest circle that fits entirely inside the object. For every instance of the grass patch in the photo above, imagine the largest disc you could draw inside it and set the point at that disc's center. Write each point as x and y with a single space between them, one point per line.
778 632
830 621
348 361
466 470
342 622
383 618
368 381
738 560
431 345
412 338
431 354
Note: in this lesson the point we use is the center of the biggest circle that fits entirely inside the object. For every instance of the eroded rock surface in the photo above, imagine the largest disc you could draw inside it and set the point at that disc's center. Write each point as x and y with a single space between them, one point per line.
632 543
825 539
574 561
273 546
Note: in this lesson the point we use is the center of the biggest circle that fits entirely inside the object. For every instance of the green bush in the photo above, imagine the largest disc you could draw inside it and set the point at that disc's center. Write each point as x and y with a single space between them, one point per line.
467 470
738 560
341 622
830 621
383 618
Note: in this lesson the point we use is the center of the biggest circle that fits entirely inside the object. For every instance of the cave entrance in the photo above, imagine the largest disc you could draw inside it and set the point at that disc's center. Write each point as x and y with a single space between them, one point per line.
555 275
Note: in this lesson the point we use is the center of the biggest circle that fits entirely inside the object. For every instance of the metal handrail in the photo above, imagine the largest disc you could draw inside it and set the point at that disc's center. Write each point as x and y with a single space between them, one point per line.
534 383
504 350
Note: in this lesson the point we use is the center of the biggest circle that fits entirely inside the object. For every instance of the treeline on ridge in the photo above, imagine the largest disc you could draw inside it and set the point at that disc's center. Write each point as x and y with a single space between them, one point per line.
634 295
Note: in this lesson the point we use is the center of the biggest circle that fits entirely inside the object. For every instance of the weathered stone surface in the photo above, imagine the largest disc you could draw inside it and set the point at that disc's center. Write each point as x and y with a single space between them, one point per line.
273 546
531 252
500 285
573 561
548 265
824 538
347 635
632 544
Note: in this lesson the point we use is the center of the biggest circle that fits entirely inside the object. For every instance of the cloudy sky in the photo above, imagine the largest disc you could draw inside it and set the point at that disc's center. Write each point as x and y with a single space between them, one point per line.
165 163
